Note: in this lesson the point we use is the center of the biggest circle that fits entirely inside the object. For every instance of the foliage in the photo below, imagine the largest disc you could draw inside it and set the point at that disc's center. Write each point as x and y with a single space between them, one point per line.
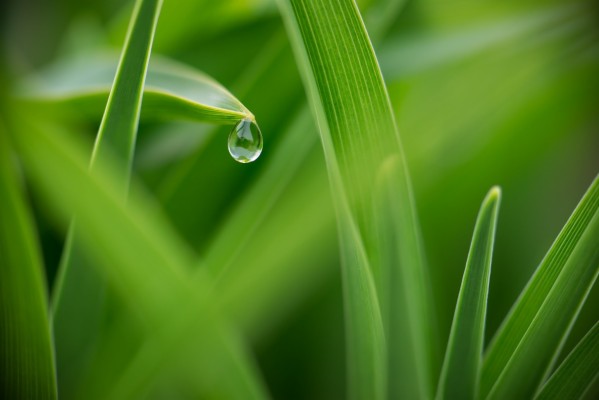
176 272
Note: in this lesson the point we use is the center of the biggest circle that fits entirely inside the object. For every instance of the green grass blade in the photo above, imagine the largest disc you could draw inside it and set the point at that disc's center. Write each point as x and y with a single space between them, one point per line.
577 372
544 338
405 55
172 91
359 136
364 326
118 129
27 370
401 281
568 269
78 297
461 369
145 263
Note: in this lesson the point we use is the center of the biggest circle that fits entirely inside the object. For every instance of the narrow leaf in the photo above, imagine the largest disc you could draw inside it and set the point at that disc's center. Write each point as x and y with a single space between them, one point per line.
172 90
78 303
577 372
543 340
357 127
399 269
550 301
461 369
144 262
27 362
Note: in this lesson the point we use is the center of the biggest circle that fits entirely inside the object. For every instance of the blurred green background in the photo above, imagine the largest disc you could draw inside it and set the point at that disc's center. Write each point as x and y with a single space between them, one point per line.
485 93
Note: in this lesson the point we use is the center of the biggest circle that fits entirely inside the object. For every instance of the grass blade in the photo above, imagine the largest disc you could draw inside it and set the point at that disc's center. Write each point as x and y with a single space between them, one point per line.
359 136
569 262
403 56
399 263
79 292
145 263
172 91
26 351
577 372
461 369
544 338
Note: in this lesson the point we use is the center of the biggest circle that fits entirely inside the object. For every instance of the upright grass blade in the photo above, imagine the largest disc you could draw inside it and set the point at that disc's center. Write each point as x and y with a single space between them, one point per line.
118 129
577 372
531 336
27 362
78 298
171 91
367 370
461 369
400 285
359 136
540 345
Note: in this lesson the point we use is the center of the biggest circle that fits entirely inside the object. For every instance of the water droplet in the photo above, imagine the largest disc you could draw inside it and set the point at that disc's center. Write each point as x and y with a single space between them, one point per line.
245 141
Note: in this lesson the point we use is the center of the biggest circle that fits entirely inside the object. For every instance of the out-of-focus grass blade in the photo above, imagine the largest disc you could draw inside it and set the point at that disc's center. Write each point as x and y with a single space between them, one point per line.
145 262
27 367
540 319
172 90
359 135
461 369
577 372
78 297
405 55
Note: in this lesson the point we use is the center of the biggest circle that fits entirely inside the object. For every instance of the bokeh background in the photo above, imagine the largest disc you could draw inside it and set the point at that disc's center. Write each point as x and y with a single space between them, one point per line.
494 92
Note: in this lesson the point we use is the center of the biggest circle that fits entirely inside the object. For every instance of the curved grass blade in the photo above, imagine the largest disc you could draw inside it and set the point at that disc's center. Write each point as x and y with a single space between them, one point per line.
78 302
577 372
27 370
172 91
359 136
461 369
569 262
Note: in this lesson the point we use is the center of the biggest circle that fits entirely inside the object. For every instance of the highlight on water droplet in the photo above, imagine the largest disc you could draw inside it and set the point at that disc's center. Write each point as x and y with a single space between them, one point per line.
245 141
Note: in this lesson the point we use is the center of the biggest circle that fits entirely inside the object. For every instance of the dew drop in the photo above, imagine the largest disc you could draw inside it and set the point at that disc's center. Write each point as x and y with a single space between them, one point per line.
245 141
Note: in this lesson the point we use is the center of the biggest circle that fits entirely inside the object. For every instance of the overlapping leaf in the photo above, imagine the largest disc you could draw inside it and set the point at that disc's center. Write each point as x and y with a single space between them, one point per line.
532 334
349 99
